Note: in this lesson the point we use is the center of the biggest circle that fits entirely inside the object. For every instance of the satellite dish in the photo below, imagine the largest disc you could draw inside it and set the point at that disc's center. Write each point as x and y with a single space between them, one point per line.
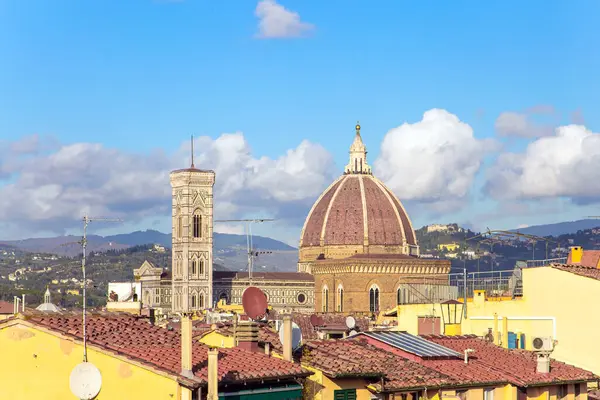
296 335
85 381
255 303
352 333
350 322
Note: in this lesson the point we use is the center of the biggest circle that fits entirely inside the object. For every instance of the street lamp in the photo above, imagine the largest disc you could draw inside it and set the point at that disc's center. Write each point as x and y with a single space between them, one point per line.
452 313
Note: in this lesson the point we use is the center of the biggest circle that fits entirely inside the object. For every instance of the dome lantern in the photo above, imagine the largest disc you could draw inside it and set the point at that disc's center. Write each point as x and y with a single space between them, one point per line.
358 156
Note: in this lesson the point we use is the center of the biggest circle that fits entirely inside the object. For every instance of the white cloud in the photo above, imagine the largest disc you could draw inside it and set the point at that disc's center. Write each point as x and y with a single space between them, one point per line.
521 124
566 164
432 160
50 191
275 21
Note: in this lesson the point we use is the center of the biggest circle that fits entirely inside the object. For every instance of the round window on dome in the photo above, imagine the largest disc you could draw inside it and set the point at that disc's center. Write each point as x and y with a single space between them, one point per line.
301 298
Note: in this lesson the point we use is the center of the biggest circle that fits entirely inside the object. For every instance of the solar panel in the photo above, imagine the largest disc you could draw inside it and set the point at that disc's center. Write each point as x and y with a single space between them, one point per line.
413 344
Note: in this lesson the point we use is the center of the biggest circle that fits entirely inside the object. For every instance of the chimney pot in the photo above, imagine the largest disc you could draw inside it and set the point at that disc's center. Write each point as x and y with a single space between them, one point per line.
543 363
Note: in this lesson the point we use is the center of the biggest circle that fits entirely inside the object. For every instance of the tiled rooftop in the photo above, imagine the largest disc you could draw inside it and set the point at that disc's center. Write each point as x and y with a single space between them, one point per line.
578 269
349 358
6 307
494 362
589 258
160 348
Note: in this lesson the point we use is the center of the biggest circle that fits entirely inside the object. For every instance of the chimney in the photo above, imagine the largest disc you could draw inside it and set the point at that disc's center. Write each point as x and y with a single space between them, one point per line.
23 304
268 348
246 334
287 337
543 363
575 255
213 374
467 351
186 345
152 317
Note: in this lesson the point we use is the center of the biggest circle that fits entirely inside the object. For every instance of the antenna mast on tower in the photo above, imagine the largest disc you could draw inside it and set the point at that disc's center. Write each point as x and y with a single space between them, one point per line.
248 239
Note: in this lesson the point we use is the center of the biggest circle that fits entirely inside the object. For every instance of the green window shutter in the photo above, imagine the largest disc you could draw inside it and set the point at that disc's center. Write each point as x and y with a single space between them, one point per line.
339 395
351 394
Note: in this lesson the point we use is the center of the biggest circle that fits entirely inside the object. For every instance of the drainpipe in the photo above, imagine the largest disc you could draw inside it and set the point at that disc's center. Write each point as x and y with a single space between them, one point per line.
496 338
505 332
553 319
213 377
267 348
23 304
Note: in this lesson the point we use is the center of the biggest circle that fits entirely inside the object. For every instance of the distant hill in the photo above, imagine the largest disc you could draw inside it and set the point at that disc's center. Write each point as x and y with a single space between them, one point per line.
560 228
229 249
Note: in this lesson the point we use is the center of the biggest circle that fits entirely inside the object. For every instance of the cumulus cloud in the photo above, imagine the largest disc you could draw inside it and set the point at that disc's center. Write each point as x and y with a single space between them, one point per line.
50 191
275 21
522 124
433 160
566 164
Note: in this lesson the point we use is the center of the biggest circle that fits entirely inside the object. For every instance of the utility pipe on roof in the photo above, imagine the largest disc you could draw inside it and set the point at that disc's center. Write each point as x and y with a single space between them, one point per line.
553 319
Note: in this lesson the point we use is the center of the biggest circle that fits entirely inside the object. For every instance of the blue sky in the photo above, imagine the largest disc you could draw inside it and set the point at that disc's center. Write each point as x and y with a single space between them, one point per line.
143 75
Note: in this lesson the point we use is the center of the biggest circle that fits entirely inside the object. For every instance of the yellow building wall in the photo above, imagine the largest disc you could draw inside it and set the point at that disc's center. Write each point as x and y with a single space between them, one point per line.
217 339
5 316
37 365
548 292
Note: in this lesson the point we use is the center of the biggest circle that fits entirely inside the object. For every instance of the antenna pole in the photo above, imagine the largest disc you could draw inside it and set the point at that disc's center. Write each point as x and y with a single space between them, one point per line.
193 151
86 221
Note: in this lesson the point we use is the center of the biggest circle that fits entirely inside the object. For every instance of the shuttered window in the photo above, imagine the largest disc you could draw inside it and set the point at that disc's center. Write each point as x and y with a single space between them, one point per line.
346 394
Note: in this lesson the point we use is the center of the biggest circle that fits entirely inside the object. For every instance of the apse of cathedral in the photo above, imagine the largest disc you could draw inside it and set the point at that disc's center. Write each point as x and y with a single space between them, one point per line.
358 251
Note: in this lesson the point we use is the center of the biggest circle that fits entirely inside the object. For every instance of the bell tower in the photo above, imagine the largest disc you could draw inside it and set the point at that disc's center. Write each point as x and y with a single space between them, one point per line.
192 238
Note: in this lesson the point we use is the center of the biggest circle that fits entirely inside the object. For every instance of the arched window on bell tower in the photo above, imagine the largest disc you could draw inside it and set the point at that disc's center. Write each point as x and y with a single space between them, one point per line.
197 224
325 298
374 299
201 272
340 300
194 267
179 225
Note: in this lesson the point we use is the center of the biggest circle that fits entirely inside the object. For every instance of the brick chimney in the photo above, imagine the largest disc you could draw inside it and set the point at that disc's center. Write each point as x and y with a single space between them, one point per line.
186 345
287 337
246 335
213 374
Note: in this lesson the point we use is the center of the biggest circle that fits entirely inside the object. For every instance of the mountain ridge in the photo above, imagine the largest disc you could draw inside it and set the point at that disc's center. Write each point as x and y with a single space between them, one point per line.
68 245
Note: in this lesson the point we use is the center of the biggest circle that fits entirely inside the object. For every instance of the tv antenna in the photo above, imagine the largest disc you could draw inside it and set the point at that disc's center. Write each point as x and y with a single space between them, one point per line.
86 221
249 245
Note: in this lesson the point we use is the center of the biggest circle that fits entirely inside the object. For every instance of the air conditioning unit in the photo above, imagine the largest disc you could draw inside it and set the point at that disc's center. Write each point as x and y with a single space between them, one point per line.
542 343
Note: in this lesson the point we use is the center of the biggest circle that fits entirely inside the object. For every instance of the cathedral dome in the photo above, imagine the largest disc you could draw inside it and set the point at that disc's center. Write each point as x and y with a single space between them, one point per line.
357 214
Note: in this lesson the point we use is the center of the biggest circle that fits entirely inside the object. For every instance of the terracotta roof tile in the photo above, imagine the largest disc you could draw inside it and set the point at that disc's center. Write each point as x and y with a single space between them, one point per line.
6 307
348 358
577 269
135 338
494 362
590 258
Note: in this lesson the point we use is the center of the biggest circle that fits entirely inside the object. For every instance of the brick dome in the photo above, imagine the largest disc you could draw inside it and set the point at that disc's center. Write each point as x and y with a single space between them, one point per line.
357 214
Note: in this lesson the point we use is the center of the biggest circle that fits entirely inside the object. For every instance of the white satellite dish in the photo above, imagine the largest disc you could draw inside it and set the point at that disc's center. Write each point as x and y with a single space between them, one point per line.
85 381
296 335
353 332
350 322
